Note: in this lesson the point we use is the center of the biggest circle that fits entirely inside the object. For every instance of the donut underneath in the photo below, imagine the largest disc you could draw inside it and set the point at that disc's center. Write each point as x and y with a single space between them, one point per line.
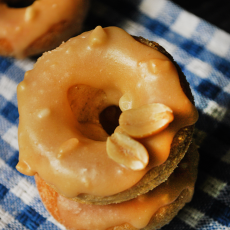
76 216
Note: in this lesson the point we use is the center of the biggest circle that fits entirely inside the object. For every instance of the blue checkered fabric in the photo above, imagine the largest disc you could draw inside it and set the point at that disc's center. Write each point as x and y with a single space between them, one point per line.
203 53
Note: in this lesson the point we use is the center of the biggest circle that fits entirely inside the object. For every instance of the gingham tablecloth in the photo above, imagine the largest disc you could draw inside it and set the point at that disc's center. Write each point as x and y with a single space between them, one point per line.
202 51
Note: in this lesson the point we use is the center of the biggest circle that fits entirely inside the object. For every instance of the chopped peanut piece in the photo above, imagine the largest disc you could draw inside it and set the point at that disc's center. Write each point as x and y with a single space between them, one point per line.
30 13
67 147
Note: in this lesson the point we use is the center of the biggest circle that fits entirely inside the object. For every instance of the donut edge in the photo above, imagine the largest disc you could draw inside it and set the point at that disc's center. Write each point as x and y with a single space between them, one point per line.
5 47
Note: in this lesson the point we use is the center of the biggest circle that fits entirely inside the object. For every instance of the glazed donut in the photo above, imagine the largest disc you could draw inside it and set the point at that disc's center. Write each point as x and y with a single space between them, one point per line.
91 79
147 212
39 27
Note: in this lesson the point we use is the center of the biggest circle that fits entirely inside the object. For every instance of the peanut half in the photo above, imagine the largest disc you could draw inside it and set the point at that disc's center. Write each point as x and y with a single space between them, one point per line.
126 151
146 120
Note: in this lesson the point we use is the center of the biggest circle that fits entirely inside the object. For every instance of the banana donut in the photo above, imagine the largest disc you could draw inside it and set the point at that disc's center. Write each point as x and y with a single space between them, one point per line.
68 102
147 212
39 27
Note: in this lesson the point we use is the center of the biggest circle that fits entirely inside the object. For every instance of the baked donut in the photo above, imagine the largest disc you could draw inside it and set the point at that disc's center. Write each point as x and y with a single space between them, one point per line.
39 27
93 78
147 212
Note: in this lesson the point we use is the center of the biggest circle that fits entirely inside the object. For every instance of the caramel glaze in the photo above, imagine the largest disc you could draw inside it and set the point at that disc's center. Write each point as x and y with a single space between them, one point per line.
129 74
20 27
136 213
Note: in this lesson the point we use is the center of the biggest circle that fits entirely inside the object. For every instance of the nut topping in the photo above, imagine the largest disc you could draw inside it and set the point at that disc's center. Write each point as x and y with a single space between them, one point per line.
126 151
98 36
30 13
67 147
146 120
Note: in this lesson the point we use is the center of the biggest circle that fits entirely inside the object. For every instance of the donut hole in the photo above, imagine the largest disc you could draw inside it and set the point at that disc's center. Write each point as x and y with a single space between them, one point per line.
109 118
18 3
96 118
